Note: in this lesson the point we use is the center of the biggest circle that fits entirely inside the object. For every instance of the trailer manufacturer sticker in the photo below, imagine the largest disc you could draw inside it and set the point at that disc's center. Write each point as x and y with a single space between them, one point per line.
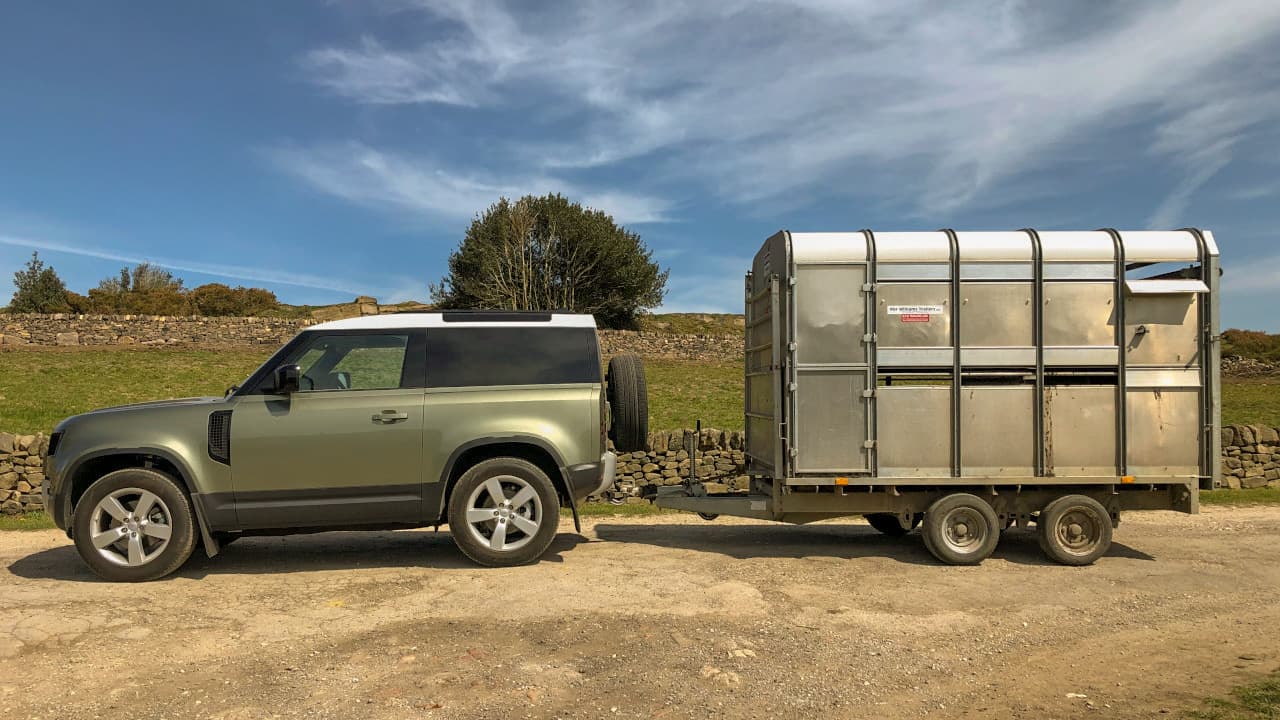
915 313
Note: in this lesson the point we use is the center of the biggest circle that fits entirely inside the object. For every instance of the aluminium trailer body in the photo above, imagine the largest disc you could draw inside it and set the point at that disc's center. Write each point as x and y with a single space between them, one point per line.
977 380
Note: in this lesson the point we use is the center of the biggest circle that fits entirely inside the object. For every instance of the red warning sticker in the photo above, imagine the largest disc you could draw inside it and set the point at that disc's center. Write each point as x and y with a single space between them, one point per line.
914 317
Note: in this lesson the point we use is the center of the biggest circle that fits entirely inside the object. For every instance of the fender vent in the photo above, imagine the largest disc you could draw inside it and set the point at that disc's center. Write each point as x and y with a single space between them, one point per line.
220 436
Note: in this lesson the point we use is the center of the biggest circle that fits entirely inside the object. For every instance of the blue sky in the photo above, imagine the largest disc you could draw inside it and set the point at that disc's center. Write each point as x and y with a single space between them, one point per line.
331 149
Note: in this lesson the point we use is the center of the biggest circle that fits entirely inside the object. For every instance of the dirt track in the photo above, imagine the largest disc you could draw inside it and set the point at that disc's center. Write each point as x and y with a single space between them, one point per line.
665 616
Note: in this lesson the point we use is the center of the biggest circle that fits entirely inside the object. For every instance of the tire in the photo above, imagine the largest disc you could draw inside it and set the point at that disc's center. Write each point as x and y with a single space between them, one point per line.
961 529
497 535
1074 530
889 524
141 552
628 403
708 516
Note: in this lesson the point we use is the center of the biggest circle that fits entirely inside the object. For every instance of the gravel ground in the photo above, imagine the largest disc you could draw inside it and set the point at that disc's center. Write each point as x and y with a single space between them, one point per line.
662 616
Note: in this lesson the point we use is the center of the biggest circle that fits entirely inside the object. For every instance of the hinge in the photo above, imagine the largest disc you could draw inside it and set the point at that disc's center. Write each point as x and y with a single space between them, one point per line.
794 452
791 280
791 387
869 338
868 444
791 346
868 393
868 287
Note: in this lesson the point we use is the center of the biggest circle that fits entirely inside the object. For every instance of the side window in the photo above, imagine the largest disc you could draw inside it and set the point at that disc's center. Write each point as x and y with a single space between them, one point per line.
486 356
353 362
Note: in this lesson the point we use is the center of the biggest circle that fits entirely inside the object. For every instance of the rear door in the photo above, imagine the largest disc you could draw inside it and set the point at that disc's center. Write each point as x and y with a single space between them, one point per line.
346 449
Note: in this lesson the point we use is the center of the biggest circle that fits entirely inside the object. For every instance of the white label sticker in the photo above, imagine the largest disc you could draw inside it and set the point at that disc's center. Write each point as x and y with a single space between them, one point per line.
916 310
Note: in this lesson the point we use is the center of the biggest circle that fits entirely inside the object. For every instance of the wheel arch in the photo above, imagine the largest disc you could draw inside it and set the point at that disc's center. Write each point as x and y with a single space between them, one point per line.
88 468
527 447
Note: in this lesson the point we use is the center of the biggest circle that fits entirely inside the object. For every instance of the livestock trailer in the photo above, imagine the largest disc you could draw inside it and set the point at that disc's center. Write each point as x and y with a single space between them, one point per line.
977 380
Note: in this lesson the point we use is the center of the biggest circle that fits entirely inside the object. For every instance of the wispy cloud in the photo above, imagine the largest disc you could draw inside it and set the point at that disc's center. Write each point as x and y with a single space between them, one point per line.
234 272
933 105
367 176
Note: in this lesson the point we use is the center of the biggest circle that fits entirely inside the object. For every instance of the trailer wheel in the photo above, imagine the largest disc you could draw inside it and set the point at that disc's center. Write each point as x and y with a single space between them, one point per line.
890 524
628 403
708 516
1074 530
961 529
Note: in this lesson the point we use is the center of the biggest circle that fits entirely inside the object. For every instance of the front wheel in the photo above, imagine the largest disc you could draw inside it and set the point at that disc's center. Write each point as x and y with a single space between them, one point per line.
1074 530
134 525
503 512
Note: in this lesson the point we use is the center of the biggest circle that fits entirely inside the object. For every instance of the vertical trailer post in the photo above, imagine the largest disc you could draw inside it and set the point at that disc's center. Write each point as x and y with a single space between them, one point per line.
1209 351
873 379
1037 337
956 396
1122 392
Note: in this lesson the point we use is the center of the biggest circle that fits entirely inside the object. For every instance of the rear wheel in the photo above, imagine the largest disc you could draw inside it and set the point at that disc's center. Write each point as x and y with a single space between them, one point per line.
134 525
504 511
891 525
1074 530
961 529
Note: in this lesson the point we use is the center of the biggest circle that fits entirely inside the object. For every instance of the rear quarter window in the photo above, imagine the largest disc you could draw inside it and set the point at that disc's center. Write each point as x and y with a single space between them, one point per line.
485 356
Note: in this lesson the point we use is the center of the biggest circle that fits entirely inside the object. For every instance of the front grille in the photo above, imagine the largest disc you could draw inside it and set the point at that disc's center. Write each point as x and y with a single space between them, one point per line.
220 436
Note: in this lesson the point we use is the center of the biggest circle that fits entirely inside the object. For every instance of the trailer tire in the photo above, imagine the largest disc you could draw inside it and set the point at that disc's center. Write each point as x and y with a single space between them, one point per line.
961 529
890 524
1074 530
628 403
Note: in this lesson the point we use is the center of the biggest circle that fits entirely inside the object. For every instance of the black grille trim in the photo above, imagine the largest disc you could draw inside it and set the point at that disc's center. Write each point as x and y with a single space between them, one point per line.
220 436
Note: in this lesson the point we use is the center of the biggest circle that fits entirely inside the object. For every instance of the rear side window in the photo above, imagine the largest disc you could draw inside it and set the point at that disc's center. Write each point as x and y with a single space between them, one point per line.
480 356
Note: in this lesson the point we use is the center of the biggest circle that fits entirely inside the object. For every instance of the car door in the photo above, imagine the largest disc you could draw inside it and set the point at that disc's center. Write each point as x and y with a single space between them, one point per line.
343 450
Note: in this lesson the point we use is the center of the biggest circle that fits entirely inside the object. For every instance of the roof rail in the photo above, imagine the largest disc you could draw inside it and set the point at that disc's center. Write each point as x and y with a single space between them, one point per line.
496 315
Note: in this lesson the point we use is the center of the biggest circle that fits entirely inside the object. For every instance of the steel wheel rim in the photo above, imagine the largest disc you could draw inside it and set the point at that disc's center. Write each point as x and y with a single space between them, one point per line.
964 530
1078 530
504 513
130 527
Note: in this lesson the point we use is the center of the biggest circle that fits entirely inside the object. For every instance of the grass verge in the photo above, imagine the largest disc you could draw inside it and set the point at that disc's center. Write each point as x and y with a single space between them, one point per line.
27 521
1256 701
1258 496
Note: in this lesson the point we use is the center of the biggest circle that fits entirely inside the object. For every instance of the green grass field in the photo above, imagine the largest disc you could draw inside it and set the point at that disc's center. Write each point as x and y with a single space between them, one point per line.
40 387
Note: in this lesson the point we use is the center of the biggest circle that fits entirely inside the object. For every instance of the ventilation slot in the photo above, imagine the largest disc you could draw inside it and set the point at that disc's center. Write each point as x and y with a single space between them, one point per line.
220 436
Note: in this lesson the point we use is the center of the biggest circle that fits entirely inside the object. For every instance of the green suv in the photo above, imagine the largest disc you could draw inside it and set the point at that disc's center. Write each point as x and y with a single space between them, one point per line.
487 421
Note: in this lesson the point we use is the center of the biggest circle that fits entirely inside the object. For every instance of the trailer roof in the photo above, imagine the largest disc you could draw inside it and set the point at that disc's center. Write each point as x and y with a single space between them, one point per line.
1015 246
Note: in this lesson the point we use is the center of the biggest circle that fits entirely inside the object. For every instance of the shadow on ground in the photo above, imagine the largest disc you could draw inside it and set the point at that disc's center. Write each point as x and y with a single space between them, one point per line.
293 554
841 541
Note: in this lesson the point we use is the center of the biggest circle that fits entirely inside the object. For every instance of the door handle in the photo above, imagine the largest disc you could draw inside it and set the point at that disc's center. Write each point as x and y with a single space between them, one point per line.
386 417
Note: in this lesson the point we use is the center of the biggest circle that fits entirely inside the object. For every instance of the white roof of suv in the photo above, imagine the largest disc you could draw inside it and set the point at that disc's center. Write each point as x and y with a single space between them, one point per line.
395 321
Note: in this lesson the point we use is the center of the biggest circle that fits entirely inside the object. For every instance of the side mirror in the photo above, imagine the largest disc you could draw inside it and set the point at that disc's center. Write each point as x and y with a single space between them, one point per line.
288 379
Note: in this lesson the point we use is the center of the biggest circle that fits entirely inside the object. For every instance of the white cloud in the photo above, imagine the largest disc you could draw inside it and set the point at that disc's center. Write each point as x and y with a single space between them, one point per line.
367 176
934 105
234 272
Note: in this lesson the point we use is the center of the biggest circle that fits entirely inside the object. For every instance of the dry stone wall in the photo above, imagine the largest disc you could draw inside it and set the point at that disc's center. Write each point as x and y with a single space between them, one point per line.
21 472
69 330
1250 456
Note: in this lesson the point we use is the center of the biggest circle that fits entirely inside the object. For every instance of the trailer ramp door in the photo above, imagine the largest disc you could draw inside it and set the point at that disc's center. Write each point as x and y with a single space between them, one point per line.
762 365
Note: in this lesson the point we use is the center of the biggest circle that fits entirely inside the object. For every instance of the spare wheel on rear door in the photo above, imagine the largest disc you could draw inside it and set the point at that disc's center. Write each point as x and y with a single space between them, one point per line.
628 403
